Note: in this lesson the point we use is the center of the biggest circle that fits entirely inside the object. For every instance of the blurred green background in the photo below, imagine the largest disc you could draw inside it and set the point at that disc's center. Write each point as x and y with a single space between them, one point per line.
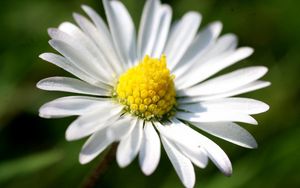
34 153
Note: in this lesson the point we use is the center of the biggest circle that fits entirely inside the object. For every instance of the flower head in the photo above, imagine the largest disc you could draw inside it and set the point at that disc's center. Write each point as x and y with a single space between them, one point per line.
147 89
151 89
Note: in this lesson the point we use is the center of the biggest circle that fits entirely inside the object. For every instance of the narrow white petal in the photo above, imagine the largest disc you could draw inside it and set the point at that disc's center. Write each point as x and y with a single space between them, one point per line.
103 38
106 53
181 164
163 30
186 145
69 106
82 58
93 121
72 30
65 64
210 67
122 30
224 44
247 88
73 36
216 116
181 36
98 21
235 104
200 45
229 131
226 82
72 85
97 143
130 145
76 38
148 27
214 152
121 128
198 156
150 150
182 139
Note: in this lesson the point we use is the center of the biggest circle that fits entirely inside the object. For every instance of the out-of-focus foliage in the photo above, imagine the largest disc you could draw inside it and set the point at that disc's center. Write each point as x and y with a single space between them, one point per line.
34 153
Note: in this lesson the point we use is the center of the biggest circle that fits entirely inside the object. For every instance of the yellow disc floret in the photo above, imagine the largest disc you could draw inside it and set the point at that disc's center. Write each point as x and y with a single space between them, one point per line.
147 90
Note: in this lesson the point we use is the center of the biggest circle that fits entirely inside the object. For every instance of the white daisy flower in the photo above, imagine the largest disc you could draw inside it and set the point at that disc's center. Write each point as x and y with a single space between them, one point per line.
153 88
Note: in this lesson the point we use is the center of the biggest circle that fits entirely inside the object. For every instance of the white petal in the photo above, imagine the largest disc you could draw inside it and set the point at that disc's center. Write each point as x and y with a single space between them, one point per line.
226 43
65 64
238 105
210 67
181 36
226 82
198 156
230 132
73 36
97 143
130 145
72 30
82 59
107 54
98 21
247 88
181 164
186 145
148 27
214 152
121 128
150 150
200 45
122 30
95 120
216 116
72 85
69 106
163 30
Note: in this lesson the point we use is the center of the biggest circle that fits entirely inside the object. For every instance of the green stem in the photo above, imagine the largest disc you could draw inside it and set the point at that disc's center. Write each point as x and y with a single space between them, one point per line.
99 171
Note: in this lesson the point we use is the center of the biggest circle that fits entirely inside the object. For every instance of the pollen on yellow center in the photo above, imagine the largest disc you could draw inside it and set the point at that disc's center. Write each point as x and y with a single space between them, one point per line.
147 90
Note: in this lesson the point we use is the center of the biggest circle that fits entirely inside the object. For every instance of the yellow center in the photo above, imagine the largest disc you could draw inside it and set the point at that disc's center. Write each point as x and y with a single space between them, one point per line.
147 90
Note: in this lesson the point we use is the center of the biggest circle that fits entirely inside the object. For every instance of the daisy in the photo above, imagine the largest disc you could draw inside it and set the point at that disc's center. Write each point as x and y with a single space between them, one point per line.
151 89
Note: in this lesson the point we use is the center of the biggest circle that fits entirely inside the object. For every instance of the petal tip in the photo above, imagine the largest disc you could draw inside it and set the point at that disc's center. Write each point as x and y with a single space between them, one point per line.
83 159
84 6
70 133
254 146
44 115
194 13
228 171
268 84
254 122
52 42
264 107
121 162
43 56
248 50
53 32
147 171
267 107
39 84
76 15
